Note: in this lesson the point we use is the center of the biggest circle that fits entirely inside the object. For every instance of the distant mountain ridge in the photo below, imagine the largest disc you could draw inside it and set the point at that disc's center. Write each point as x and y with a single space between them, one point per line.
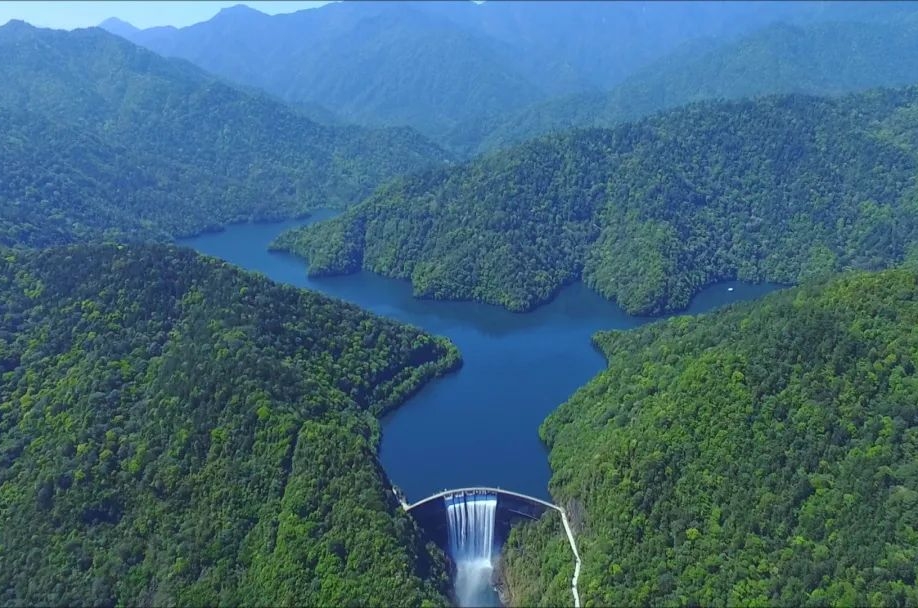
118 27
105 139
449 68
819 58
454 73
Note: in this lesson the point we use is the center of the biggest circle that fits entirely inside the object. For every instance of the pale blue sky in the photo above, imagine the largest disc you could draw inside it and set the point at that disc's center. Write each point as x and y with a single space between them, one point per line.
143 14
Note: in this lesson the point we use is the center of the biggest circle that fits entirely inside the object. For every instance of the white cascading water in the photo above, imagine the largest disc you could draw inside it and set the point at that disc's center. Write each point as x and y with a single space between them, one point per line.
471 543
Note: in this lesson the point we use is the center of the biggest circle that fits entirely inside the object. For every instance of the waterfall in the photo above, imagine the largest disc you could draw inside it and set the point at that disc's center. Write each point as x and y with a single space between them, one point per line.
471 543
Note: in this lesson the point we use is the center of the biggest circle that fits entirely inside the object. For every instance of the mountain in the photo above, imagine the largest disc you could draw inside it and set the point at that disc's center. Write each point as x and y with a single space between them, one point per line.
450 68
606 41
776 189
176 431
119 27
404 65
104 139
819 59
762 455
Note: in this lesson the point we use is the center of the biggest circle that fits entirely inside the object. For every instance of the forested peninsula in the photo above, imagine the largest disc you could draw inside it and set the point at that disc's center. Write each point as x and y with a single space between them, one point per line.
778 189
105 140
766 454
174 430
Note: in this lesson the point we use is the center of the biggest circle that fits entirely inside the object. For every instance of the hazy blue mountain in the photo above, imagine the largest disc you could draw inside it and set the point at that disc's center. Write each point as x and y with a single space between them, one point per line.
370 63
102 138
819 58
606 41
450 69
118 27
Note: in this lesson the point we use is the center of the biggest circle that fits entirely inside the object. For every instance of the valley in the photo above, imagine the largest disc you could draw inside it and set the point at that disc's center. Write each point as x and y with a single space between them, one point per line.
476 426
458 303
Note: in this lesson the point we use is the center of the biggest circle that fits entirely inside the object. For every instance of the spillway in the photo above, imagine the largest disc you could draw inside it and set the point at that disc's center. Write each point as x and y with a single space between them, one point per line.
471 520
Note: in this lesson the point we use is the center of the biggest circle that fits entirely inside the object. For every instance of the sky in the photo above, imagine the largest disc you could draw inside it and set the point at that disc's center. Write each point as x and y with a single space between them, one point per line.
142 14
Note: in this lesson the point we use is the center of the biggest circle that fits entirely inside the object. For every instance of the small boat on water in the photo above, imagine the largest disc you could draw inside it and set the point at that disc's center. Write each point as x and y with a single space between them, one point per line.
729 289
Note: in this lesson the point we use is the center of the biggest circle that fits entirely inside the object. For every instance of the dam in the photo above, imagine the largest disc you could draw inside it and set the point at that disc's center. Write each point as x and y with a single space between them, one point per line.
471 524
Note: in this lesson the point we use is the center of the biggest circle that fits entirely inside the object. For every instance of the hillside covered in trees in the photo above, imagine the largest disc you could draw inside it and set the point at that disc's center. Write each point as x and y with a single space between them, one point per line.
776 189
455 70
441 67
177 431
105 140
762 455
830 58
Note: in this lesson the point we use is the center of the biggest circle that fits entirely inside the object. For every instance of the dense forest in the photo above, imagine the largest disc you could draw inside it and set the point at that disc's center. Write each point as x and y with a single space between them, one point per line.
176 431
531 569
105 140
762 455
456 70
406 63
816 58
780 188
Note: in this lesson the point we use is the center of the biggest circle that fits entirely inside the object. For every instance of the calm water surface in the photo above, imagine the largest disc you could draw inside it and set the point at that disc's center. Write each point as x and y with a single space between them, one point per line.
478 426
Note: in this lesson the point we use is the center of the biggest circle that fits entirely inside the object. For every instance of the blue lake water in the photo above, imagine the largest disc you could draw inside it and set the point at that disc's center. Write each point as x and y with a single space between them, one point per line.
479 425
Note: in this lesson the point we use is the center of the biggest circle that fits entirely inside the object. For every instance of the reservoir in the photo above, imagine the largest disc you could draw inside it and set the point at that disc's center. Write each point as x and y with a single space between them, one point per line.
477 426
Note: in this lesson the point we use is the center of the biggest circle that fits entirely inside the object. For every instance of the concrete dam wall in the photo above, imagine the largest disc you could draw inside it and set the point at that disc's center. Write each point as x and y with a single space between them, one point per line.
468 523
431 513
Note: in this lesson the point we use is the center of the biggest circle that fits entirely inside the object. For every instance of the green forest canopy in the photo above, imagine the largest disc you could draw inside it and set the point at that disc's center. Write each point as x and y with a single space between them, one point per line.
102 139
762 455
457 71
829 58
176 431
776 189
173 430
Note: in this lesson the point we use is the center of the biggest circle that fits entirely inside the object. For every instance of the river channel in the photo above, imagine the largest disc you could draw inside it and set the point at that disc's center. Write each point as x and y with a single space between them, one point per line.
479 425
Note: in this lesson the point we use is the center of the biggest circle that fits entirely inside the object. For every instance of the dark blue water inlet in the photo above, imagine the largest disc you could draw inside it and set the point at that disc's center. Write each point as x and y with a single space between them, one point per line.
478 426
